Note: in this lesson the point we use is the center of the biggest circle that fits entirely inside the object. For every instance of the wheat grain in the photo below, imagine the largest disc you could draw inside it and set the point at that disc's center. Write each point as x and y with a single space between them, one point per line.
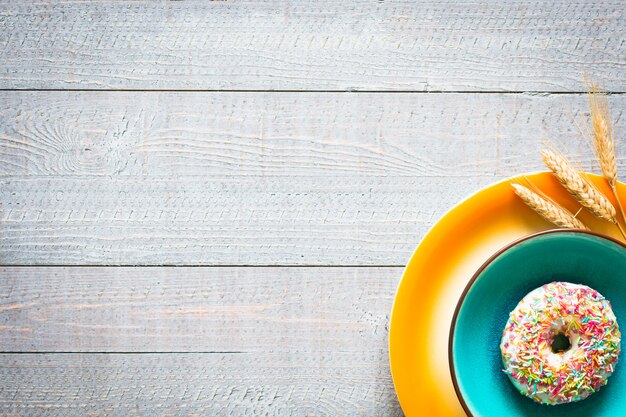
579 187
549 210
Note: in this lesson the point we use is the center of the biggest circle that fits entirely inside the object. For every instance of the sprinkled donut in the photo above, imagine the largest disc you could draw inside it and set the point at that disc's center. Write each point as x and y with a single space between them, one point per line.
561 343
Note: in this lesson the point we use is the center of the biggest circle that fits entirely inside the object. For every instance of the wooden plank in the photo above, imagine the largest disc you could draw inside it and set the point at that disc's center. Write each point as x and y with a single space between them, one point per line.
151 134
187 309
259 384
259 179
438 45
249 341
191 221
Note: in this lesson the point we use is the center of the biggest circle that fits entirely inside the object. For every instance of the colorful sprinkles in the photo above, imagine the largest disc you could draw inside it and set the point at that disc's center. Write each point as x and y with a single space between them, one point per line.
581 314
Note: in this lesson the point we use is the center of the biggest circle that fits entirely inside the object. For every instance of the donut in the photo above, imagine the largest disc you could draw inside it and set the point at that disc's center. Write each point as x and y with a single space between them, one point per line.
561 343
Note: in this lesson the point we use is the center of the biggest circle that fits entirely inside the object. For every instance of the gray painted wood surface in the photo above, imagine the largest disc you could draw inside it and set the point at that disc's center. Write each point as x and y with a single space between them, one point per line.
248 310
299 197
219 384
247 341
312 45
257 178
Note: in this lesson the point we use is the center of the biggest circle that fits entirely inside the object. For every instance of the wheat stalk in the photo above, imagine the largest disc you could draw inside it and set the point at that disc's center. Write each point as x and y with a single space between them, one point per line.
579 187
549 210
603 140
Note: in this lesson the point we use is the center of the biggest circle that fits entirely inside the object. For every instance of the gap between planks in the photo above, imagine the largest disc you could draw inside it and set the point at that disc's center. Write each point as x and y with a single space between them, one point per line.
179 352
137 90
199 266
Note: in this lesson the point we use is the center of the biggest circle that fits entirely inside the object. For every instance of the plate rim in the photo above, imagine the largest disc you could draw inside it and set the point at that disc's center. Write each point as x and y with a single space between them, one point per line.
429 232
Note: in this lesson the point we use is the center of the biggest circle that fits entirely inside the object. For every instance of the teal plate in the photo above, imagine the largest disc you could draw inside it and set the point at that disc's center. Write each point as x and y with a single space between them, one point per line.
483 309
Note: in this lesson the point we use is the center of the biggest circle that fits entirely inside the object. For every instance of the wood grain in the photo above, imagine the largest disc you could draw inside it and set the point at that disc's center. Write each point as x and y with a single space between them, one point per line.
265 134
258 179
187 309
260 384
248 341
446 45
190 221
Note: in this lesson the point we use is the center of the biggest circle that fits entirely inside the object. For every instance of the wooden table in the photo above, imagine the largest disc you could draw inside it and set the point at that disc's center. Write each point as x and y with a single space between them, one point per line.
205 207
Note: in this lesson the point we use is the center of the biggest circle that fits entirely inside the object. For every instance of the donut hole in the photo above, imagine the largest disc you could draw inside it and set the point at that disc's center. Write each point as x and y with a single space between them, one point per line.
560 343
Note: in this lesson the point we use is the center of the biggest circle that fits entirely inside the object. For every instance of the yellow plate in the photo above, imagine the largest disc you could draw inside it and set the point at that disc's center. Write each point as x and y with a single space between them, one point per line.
437 273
